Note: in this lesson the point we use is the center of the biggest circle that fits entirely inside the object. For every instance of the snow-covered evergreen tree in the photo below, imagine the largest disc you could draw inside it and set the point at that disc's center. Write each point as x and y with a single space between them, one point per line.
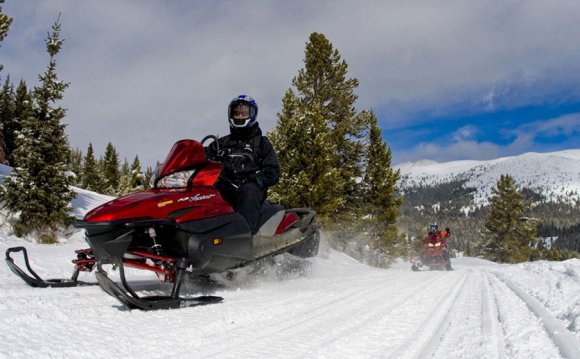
39 190
131 177
323 82
136 175
321 90
5 22
6 114
125 179
147 177
13 125
381 201
111 170
309 175
91 177
75 165
508 235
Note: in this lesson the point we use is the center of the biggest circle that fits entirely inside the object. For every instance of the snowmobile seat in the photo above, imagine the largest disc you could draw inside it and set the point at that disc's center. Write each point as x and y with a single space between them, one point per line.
267 211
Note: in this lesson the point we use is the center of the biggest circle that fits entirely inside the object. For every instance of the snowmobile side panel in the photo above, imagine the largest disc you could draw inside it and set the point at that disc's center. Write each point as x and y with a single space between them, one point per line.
214 244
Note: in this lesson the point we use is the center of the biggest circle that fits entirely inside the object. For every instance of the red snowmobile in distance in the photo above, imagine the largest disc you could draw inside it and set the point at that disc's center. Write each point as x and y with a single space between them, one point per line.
435 254
182 225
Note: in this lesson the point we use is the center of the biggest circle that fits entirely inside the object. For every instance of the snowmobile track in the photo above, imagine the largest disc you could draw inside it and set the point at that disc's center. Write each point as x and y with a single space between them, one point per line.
491 327
566 342
325 322
437 323
519 324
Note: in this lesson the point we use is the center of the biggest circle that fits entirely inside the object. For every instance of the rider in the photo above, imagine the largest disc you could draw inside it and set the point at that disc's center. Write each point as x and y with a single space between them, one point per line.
250 163
434 234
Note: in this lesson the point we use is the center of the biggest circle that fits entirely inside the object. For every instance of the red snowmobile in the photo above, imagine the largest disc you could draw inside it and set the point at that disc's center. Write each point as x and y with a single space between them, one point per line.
180 226
435 254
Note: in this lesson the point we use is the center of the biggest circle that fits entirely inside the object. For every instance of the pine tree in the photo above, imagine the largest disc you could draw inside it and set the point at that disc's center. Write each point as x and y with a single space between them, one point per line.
5 22
323 83
125 179
75 165
508 234
39 190
309 177
147 177
91 178
380 190
6 114
13 125
136 175
111 170
320 92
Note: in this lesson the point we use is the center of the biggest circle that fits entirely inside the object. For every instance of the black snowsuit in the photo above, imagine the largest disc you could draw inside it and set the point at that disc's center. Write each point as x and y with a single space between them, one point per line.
250 167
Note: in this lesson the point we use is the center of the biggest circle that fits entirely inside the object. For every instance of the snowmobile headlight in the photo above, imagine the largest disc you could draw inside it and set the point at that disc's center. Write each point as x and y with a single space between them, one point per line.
438 244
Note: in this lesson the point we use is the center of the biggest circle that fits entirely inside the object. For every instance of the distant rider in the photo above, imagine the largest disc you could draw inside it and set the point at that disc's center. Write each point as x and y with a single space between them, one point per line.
434 236
250 163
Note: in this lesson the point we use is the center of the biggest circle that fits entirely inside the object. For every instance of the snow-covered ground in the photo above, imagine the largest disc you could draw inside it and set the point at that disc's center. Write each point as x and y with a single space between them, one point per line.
327 307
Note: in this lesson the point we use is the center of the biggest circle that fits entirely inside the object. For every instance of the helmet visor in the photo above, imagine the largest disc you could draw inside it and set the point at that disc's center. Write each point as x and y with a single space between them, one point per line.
240 112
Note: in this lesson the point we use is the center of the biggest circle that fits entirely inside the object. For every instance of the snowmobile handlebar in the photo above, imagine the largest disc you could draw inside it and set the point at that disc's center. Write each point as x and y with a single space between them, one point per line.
213 137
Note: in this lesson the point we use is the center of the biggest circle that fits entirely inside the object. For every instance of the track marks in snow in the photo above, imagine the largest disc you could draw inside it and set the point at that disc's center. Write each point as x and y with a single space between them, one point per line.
566 342
362 321
523 333
428 334
471 324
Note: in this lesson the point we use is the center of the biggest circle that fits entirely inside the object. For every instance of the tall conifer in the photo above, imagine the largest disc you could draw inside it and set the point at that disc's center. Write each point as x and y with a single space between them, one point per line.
508 233
5 22
380 197
39 190
323 82
91 179
111 170
309 176
320 104
75 165
13 125
6 114
136 175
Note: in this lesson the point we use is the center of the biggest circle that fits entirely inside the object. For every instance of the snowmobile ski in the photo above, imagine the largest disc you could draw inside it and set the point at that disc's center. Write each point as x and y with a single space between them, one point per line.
132 300
34 280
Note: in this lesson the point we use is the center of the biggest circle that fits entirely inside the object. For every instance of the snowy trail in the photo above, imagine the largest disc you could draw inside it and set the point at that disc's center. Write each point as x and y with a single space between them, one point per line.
336 308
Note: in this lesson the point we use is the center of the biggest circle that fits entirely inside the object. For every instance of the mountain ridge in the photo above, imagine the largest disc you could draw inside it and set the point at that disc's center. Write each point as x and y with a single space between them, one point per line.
553 175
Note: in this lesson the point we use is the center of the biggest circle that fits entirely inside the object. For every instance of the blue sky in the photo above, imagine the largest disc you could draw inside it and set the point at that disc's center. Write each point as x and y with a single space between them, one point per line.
448 80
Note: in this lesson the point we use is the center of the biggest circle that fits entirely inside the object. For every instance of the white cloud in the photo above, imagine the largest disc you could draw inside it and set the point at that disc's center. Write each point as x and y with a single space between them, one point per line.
144 74
465 133
463 144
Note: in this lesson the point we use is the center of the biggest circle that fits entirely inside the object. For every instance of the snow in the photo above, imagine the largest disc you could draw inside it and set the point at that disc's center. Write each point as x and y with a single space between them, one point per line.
330 306
555 175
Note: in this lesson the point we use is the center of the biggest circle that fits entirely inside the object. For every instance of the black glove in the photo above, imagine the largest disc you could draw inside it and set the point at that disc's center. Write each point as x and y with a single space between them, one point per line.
252 177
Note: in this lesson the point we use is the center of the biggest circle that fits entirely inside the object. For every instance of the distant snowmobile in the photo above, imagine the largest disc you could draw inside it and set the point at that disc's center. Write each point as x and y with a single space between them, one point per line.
435 254
182 225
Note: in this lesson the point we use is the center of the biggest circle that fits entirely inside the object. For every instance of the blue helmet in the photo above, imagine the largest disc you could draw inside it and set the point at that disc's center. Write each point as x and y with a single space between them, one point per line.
242 112
434 226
